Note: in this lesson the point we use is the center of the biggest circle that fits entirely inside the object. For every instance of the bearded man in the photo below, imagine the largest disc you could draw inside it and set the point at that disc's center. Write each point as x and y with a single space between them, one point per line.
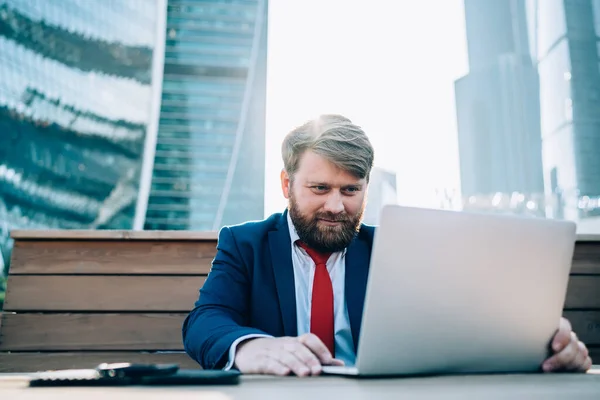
285 295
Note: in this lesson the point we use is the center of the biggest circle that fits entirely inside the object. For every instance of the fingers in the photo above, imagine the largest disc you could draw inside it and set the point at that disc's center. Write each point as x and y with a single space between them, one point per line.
563 336
281 356
305 356
580 359
317 347
573 357
563 358
271 366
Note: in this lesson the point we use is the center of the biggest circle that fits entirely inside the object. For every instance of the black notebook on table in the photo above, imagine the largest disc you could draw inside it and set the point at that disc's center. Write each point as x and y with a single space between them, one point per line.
123 374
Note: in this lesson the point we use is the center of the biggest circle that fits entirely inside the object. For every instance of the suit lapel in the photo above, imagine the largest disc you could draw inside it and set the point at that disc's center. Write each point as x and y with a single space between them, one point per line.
280 245
357 271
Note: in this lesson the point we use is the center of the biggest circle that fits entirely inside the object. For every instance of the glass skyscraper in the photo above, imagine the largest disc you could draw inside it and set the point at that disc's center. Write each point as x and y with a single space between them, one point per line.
498 111
75 104
131 114
382 191
208 166
565 37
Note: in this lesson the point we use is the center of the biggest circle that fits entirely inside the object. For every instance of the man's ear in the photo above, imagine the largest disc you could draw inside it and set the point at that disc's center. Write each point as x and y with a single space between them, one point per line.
285 183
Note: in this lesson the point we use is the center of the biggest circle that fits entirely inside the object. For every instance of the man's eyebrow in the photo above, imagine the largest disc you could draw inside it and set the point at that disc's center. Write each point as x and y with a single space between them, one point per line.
316 183
354 185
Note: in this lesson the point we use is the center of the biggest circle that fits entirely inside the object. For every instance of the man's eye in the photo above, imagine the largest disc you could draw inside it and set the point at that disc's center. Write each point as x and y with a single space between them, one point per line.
351 189
320 187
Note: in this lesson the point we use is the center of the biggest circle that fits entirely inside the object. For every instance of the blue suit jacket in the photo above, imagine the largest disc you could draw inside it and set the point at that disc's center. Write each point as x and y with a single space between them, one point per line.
250 289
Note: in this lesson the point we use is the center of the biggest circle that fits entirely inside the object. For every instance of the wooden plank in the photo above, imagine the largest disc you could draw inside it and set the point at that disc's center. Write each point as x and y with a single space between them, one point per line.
102 293
586 237
585 267
112 257
583 292
586 258
106 234
36 362
83 332
586 324
85 234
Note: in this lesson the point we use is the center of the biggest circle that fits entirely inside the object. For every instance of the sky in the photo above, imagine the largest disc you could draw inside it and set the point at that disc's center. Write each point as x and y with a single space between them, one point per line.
388 65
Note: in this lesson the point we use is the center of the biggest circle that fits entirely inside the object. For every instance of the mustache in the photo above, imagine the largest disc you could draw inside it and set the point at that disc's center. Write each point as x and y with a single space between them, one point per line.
342 217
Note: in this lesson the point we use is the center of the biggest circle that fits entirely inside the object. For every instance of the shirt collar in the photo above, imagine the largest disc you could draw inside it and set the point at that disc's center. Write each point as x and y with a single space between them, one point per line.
293 234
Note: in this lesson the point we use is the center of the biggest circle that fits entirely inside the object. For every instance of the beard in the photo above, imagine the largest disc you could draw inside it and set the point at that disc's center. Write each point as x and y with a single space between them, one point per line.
322 238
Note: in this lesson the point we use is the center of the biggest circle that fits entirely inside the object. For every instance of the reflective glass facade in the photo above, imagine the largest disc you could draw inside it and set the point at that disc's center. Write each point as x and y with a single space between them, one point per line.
75 93
565 46
497 107
494 28
499 129
209 160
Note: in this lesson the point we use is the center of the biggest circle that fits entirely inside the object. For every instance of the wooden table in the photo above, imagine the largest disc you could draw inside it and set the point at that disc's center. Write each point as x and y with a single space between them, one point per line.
530 386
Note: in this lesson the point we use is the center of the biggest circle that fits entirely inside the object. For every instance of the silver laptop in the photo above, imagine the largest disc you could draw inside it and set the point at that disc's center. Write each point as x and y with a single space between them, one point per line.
460 292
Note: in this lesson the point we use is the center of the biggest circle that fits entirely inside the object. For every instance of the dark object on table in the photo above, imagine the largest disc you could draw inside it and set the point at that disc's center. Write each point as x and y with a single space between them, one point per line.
121 374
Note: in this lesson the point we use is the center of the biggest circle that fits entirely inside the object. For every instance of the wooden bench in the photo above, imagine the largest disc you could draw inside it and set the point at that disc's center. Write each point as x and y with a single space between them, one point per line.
78 298
582 304
75 299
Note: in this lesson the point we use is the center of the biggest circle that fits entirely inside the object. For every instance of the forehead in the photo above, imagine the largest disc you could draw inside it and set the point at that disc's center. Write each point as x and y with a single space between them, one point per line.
315 168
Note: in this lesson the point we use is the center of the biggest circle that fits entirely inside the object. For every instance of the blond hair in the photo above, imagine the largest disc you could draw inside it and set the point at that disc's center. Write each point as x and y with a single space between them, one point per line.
333 137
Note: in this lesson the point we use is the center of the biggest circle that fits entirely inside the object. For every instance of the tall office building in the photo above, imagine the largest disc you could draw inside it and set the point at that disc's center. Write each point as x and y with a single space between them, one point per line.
209 162
498 105
382 191
564 42
75 96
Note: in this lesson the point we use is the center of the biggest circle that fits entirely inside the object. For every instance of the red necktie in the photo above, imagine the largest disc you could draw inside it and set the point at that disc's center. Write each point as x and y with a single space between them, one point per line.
321 311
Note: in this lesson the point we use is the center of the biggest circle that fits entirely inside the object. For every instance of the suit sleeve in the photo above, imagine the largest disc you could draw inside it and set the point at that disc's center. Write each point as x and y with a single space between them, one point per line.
221 314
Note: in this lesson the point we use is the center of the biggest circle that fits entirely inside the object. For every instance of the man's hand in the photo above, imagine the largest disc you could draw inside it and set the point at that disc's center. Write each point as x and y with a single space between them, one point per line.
570 354
303 355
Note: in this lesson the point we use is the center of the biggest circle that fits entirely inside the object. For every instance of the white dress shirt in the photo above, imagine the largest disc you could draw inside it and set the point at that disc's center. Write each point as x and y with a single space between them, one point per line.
304 272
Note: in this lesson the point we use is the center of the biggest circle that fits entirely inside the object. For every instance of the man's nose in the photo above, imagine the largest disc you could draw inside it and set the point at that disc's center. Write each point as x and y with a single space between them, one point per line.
334 203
